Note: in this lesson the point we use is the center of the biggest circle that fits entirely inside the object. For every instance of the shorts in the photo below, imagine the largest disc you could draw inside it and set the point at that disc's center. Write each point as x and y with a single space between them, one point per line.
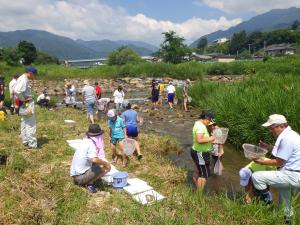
88 176
2 97
202 161
171 97
185 100
132 131
115 141
154 98
90 108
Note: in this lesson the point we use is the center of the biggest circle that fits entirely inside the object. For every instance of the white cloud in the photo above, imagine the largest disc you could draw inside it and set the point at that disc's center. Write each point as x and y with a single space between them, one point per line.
256 6
94 20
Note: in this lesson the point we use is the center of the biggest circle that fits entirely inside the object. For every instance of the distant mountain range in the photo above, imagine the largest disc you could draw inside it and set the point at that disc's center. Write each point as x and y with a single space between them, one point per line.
67 48
274 19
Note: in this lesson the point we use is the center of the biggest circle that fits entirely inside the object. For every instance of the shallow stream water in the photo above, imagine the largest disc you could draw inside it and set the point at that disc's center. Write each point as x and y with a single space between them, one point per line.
171 124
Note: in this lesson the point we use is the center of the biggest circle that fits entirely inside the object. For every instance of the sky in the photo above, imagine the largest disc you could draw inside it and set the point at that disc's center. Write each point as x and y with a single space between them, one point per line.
137 20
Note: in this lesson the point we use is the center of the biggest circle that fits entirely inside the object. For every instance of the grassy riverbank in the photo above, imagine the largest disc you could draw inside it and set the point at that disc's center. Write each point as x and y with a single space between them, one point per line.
36 187
244 106
192 70
58 72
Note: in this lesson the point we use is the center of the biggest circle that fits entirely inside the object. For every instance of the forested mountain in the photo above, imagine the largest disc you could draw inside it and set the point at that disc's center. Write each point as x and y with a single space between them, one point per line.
274 19
67 48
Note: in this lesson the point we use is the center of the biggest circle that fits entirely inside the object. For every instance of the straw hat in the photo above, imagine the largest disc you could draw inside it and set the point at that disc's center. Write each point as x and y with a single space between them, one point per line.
86 82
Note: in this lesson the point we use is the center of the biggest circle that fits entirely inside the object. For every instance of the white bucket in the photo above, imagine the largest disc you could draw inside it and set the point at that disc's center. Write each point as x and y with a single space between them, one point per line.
129 146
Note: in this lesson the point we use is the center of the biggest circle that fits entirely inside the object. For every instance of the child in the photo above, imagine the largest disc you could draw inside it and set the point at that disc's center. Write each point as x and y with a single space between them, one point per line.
216 148
119 98
116 134
155 96
171 95
245 180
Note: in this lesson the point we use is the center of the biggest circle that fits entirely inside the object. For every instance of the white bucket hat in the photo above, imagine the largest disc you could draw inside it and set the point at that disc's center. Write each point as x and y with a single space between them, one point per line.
111 113
275 119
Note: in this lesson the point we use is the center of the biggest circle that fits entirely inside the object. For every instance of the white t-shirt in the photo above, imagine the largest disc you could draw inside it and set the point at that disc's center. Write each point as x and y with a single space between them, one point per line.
42 96
119 96
171 89
82 158
12 85
22 88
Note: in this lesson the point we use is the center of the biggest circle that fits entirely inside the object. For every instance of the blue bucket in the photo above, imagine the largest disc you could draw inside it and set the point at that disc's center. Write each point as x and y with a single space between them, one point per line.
120 179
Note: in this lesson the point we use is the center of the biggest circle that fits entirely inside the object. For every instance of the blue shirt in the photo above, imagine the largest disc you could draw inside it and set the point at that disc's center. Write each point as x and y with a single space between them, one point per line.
116 128
289 150
130 116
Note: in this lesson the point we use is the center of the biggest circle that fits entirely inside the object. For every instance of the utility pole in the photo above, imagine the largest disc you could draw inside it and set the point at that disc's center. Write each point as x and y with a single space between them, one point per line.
249 50
264 48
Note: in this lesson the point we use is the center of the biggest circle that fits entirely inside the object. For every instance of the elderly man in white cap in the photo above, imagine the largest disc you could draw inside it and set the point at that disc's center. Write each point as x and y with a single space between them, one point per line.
286 152
22 90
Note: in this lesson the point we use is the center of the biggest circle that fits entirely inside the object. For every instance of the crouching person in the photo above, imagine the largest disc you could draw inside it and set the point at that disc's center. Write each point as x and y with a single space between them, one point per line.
86 166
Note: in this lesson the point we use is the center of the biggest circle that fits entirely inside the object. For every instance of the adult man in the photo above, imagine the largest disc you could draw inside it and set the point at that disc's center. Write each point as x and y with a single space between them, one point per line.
89 98
12 84
85 168
28 122
185 94
287 159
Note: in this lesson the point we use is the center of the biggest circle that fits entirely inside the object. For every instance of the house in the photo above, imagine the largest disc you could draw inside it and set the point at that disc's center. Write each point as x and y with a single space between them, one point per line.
225 58
275 50
85 63
198 57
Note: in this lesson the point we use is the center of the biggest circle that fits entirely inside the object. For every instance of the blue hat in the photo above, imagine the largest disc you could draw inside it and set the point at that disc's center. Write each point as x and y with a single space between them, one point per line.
245 174
31 69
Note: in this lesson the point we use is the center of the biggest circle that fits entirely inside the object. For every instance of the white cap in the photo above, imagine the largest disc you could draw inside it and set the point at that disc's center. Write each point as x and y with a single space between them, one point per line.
111 113
245 174
275 119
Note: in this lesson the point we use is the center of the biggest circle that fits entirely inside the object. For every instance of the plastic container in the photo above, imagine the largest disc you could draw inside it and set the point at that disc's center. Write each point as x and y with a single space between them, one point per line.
253 151
220 134
2 116
119 179
129 146
189 99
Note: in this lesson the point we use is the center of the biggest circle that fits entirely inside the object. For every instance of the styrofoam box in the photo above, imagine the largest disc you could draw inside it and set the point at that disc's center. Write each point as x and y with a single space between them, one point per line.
148 197
137 188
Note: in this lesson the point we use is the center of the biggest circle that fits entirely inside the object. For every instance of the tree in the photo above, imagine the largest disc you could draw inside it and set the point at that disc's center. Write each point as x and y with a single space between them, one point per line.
27 51
172 49
44 58
238 42
202 43
295 25
11 56
122 56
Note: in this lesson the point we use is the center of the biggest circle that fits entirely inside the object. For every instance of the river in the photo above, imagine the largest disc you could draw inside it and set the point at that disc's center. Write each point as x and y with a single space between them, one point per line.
178 124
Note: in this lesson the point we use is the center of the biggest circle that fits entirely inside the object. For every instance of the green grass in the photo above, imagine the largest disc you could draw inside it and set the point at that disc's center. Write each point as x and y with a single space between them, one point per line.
36 187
